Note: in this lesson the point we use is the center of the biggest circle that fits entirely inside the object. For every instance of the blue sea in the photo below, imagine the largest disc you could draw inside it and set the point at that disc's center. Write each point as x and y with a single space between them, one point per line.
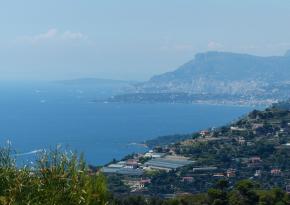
38 116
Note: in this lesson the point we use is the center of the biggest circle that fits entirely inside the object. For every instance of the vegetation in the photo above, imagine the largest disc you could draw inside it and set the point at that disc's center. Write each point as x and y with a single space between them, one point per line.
255 147
166 140
59 178
250 156
245 192
55 178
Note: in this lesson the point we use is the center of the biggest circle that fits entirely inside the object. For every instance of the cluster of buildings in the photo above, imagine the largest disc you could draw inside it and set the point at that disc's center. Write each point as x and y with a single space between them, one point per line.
129 167
241 136
252 165
153 161
133 170
167 163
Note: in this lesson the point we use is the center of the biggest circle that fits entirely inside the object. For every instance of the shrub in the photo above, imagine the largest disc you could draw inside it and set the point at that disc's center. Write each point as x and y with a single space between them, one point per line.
56 178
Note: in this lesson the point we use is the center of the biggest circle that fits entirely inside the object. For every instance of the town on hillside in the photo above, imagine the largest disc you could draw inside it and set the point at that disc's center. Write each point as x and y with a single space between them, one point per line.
255 147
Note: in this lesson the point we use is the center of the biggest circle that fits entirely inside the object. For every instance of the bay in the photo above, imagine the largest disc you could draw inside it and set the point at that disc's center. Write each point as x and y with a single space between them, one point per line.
40 116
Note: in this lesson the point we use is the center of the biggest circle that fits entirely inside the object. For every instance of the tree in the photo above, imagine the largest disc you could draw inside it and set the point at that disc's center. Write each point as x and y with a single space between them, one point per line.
244 194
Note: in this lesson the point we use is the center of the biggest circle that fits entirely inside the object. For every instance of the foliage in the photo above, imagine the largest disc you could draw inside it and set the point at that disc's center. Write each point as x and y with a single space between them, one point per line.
55 178
245 192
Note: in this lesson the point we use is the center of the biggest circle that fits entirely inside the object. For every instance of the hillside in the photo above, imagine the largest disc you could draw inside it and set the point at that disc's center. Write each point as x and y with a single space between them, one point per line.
255 147
213 74
222 72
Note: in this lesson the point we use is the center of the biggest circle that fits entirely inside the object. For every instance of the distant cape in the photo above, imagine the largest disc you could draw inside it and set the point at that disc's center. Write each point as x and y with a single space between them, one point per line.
218 76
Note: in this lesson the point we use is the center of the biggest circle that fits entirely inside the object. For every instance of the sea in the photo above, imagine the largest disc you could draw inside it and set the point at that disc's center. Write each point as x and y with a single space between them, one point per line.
40 116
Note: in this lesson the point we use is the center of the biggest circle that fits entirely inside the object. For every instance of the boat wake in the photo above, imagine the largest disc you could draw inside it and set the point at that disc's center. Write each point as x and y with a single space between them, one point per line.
29 153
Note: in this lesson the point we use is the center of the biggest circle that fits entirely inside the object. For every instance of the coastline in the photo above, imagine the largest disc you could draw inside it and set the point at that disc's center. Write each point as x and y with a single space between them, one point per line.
228 103
182 135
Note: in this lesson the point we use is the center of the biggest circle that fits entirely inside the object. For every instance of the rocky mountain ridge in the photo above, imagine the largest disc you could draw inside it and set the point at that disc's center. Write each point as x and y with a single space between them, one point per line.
238 76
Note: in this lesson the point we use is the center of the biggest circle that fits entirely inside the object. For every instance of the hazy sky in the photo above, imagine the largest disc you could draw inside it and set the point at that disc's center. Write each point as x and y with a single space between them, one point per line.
130 39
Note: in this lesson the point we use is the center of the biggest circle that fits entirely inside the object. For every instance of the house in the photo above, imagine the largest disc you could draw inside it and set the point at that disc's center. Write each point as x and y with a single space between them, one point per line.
204 132
276 172
137 185
241 140
257 126
131 163
258 173
171 152
231 173
134 185
254 161
145 181
187 179
142 182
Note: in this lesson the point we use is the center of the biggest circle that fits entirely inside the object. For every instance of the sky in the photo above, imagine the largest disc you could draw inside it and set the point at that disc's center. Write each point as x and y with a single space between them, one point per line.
129 39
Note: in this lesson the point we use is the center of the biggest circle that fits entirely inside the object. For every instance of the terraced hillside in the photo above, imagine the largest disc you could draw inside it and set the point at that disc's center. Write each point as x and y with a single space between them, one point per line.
255 147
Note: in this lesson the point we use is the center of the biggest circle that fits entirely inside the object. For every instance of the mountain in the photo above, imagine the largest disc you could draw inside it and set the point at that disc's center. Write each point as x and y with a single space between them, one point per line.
224 73
287 53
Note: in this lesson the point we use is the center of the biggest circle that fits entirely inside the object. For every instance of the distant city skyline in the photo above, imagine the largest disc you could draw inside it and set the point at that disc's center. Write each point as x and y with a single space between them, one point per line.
130 40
